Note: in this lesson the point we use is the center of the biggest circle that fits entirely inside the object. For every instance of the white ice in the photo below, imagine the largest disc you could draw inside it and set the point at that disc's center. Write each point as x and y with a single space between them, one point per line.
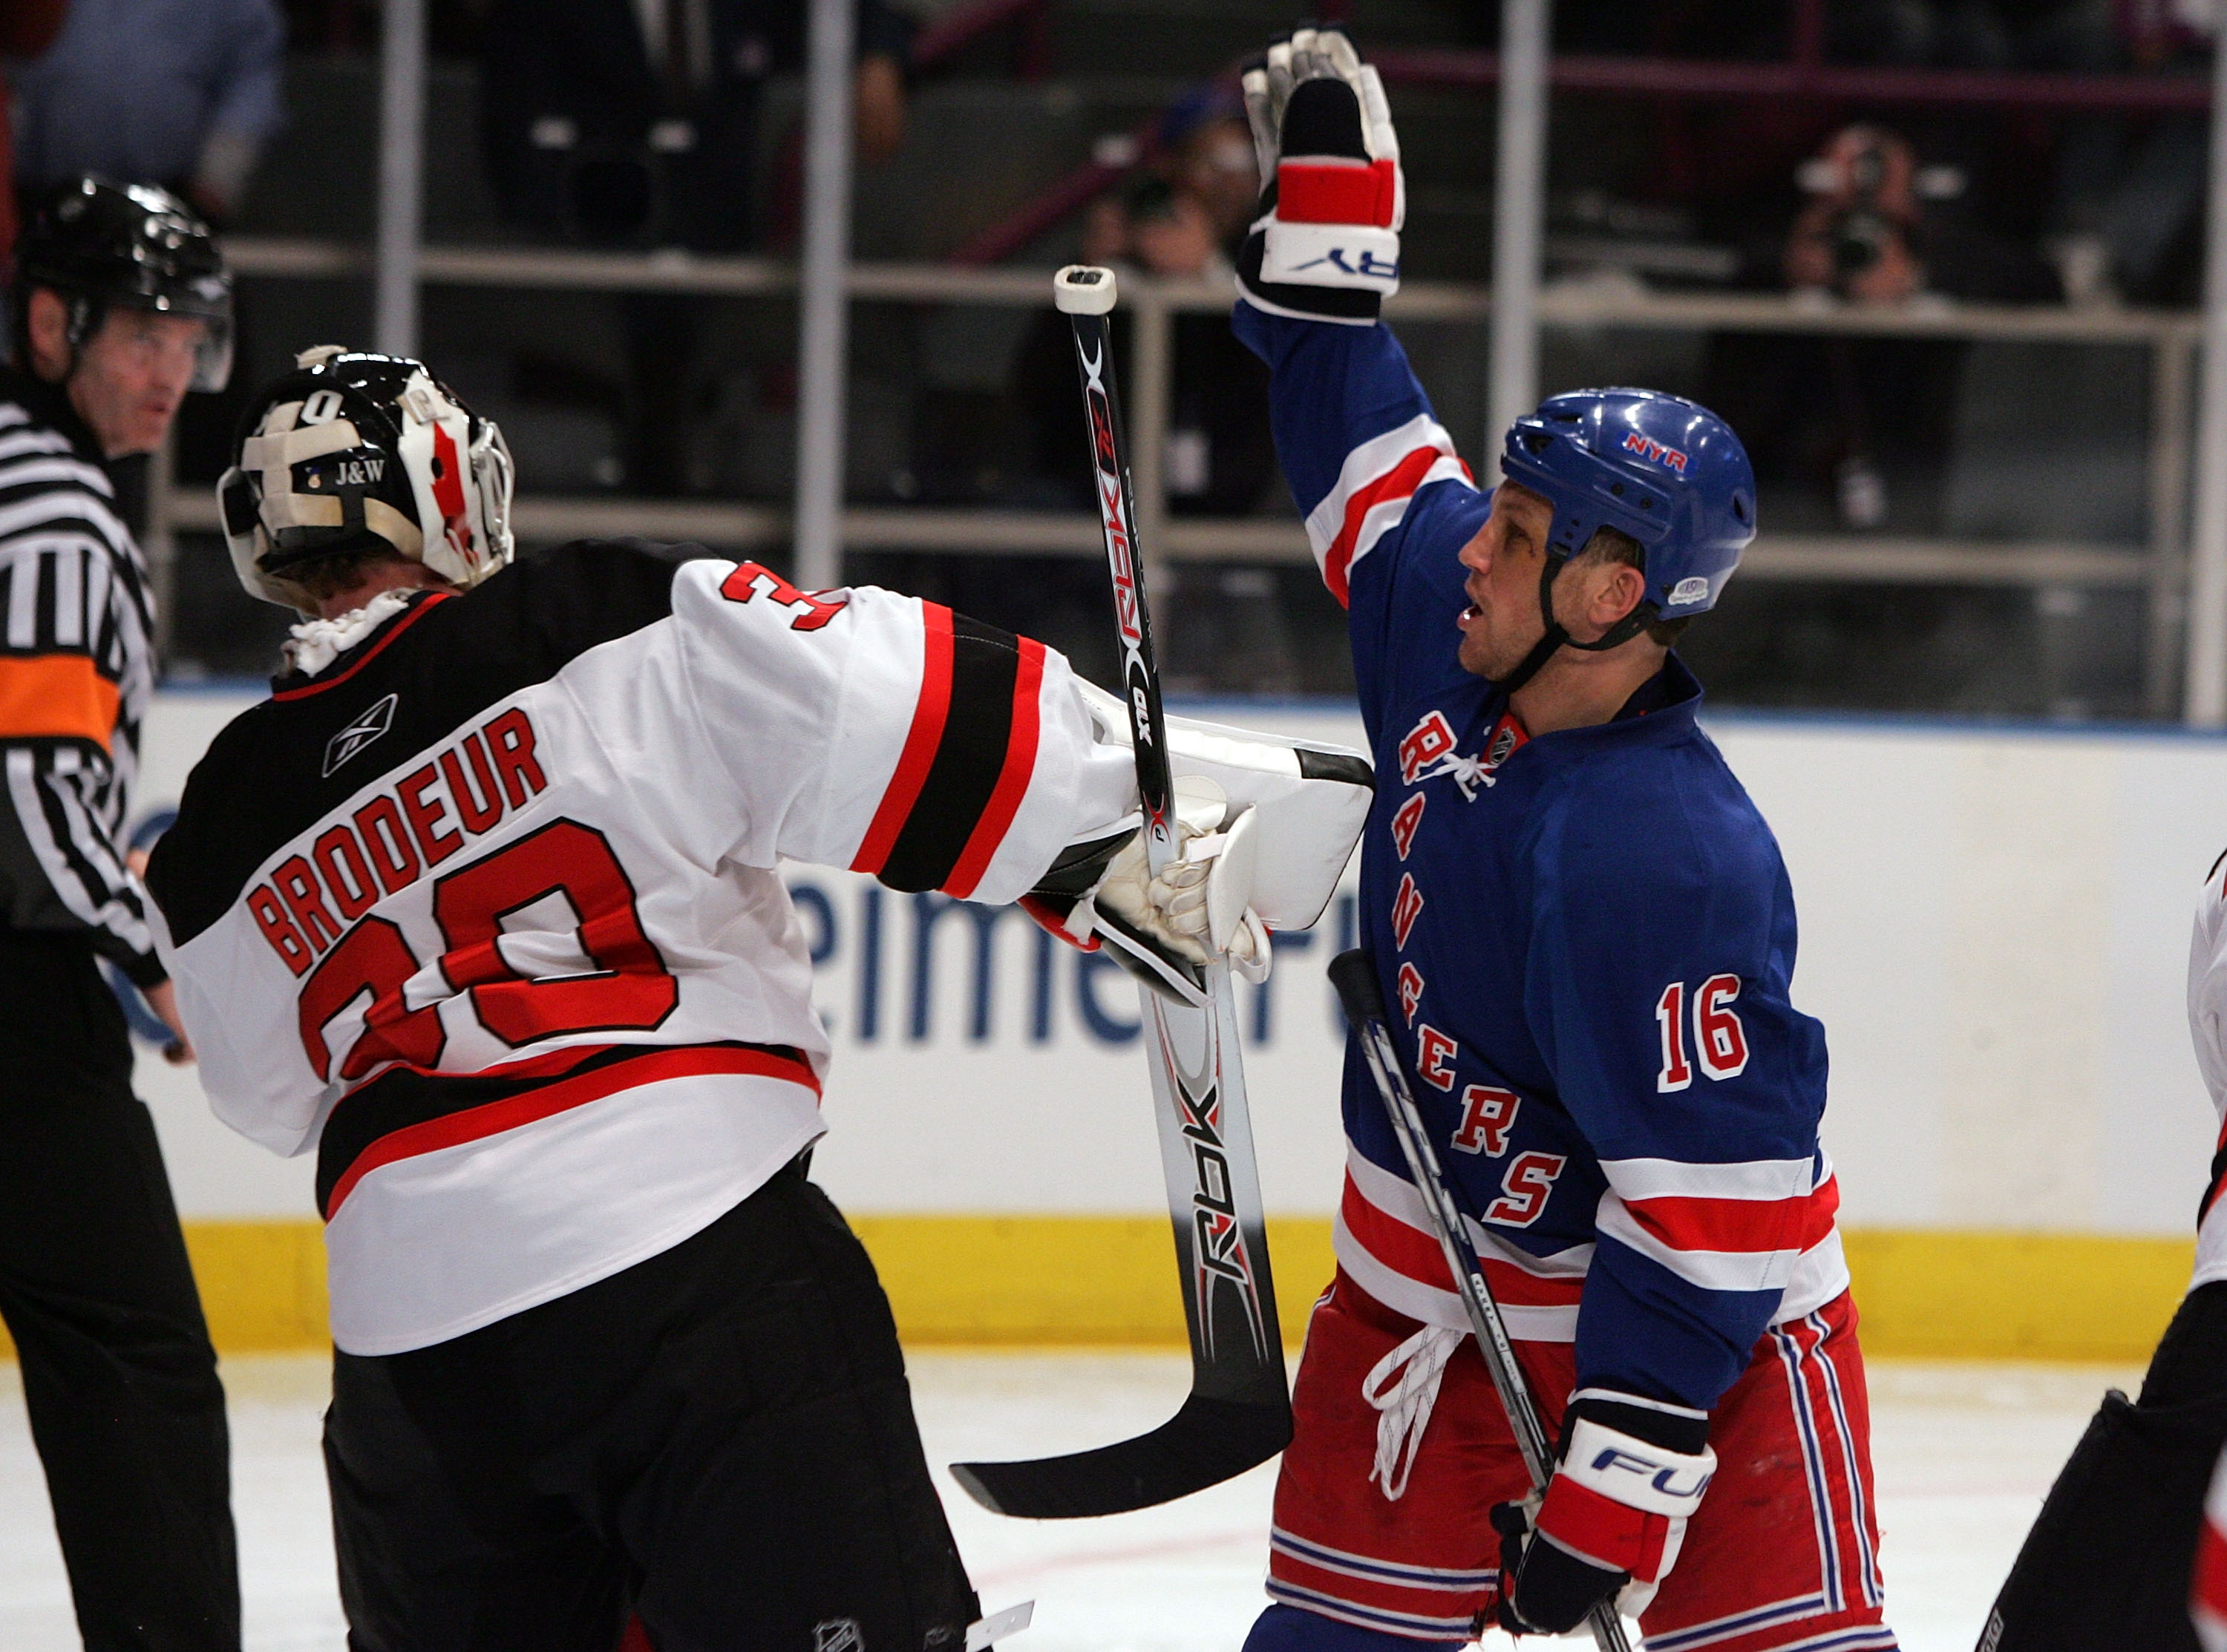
1963 1454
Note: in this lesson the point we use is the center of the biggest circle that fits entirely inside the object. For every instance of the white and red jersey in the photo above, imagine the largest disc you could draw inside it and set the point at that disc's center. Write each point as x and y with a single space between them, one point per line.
485 911
2207 1028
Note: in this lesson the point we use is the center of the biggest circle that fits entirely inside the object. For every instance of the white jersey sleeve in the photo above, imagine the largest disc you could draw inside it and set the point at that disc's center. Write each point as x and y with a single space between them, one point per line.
2207 1028
868 730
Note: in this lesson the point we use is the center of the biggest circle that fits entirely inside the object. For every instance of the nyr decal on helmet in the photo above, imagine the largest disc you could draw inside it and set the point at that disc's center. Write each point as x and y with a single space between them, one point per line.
1648 448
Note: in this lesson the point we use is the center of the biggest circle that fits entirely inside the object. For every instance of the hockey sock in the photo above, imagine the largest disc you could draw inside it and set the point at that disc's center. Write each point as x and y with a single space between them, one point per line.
1288 1629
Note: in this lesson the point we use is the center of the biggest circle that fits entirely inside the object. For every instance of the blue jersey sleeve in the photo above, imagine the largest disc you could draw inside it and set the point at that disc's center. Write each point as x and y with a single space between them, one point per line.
1660 968
1387 502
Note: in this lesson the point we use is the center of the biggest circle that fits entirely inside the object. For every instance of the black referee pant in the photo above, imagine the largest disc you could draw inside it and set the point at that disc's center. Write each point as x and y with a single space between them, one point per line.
119 1375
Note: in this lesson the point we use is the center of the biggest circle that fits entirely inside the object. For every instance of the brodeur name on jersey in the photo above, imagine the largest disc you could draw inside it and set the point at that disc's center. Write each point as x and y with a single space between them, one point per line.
1586 941
496 928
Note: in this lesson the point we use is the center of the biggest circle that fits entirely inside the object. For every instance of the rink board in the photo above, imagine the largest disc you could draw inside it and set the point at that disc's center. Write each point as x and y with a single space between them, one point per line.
1994 933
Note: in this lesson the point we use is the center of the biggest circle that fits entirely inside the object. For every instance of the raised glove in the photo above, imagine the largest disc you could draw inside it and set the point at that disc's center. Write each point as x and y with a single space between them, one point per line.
1630 1477
1326 245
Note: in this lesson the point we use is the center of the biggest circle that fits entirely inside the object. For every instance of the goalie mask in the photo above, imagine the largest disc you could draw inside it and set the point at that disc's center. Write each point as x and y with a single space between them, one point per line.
353 451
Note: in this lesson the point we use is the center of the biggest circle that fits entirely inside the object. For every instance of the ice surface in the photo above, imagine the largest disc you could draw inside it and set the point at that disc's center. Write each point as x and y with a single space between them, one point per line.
1963 1455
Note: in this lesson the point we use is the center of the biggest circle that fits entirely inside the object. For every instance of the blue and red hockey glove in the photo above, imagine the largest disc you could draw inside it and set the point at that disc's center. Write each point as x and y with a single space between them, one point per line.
1629 1475
1326 245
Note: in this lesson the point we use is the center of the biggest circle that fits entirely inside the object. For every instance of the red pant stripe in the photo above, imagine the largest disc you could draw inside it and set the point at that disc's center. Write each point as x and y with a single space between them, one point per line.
1793 1355
1858 1525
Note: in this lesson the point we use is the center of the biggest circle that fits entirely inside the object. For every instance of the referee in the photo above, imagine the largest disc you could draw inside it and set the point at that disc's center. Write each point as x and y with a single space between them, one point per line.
119 304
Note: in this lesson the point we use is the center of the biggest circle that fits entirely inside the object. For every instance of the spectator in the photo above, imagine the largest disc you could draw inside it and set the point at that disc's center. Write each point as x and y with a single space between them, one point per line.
2126 221
635 123
1211 160
179 92
27 29
1878 228
1180 219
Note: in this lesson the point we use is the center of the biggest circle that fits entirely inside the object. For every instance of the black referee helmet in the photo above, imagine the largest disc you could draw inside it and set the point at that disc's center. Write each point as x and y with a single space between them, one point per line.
97 244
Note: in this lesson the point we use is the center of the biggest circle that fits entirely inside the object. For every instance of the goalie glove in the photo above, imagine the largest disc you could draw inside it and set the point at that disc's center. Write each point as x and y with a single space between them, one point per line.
1199 905
1630 1474
1326 245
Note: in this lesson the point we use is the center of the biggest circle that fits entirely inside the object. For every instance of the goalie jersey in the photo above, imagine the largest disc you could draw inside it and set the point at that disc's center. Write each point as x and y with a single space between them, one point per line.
486 913
1586 940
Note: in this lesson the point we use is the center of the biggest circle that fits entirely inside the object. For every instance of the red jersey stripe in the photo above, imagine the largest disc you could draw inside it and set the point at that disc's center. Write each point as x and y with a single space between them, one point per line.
1401 480
929 713
550 1063
1758 1225
475 1124
2208 1592
1410 1252
417 611
1012 779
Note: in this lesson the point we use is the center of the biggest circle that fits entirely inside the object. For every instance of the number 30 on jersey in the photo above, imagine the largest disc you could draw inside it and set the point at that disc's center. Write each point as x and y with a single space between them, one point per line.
1719 1042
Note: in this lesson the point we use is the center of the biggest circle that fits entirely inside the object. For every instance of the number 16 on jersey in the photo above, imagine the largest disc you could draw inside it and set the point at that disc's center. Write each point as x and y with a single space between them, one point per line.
1719 1042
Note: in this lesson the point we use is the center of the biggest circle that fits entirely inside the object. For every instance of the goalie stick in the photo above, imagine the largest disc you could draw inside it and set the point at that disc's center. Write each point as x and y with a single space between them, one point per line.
1239 1411
1354 975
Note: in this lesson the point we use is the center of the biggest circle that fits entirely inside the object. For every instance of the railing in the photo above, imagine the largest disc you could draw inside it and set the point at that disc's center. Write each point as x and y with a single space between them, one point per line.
2157 567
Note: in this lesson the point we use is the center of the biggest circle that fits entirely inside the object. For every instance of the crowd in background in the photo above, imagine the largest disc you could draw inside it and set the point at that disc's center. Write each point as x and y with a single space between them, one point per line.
634 126
640 124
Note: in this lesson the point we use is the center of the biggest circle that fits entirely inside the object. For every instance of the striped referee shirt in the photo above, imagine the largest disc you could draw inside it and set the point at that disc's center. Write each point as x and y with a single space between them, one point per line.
76 673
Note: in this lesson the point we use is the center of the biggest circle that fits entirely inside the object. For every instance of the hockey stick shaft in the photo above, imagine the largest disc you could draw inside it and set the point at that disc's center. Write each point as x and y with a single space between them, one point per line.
1239 1411
1354 975
1198 1074
1080 290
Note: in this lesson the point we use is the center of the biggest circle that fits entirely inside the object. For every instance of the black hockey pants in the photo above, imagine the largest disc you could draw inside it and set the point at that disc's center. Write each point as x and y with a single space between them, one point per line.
118 1372
720 1439
2106 1565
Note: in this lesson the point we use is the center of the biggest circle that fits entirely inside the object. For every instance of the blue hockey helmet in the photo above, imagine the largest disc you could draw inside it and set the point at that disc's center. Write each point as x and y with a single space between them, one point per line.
1665 470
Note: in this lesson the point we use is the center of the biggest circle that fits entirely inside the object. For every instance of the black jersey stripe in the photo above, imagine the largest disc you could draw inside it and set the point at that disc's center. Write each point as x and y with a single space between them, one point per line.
403 1097
970 757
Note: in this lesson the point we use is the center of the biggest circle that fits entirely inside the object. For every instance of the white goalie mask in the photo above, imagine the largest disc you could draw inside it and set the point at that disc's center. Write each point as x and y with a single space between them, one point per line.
352 451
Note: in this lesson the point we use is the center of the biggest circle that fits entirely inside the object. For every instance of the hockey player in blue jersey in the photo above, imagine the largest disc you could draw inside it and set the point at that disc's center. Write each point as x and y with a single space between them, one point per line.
1587 936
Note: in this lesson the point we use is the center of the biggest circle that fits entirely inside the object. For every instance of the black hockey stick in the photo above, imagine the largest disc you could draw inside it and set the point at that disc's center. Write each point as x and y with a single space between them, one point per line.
1354 974
1239 1411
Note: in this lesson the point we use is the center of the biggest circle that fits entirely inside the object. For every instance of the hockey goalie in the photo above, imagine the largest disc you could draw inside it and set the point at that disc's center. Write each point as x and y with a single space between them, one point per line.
480 906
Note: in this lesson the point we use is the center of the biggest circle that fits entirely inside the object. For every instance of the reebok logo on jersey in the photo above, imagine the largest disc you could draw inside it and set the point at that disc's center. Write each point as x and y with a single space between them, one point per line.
361 730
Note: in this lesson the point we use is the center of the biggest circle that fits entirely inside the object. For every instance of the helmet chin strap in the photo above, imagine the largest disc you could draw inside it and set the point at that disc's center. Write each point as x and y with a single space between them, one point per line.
1555 637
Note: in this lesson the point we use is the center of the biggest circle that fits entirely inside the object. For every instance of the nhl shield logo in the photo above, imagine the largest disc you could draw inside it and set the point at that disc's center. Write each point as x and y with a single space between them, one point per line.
365 727
839 1634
